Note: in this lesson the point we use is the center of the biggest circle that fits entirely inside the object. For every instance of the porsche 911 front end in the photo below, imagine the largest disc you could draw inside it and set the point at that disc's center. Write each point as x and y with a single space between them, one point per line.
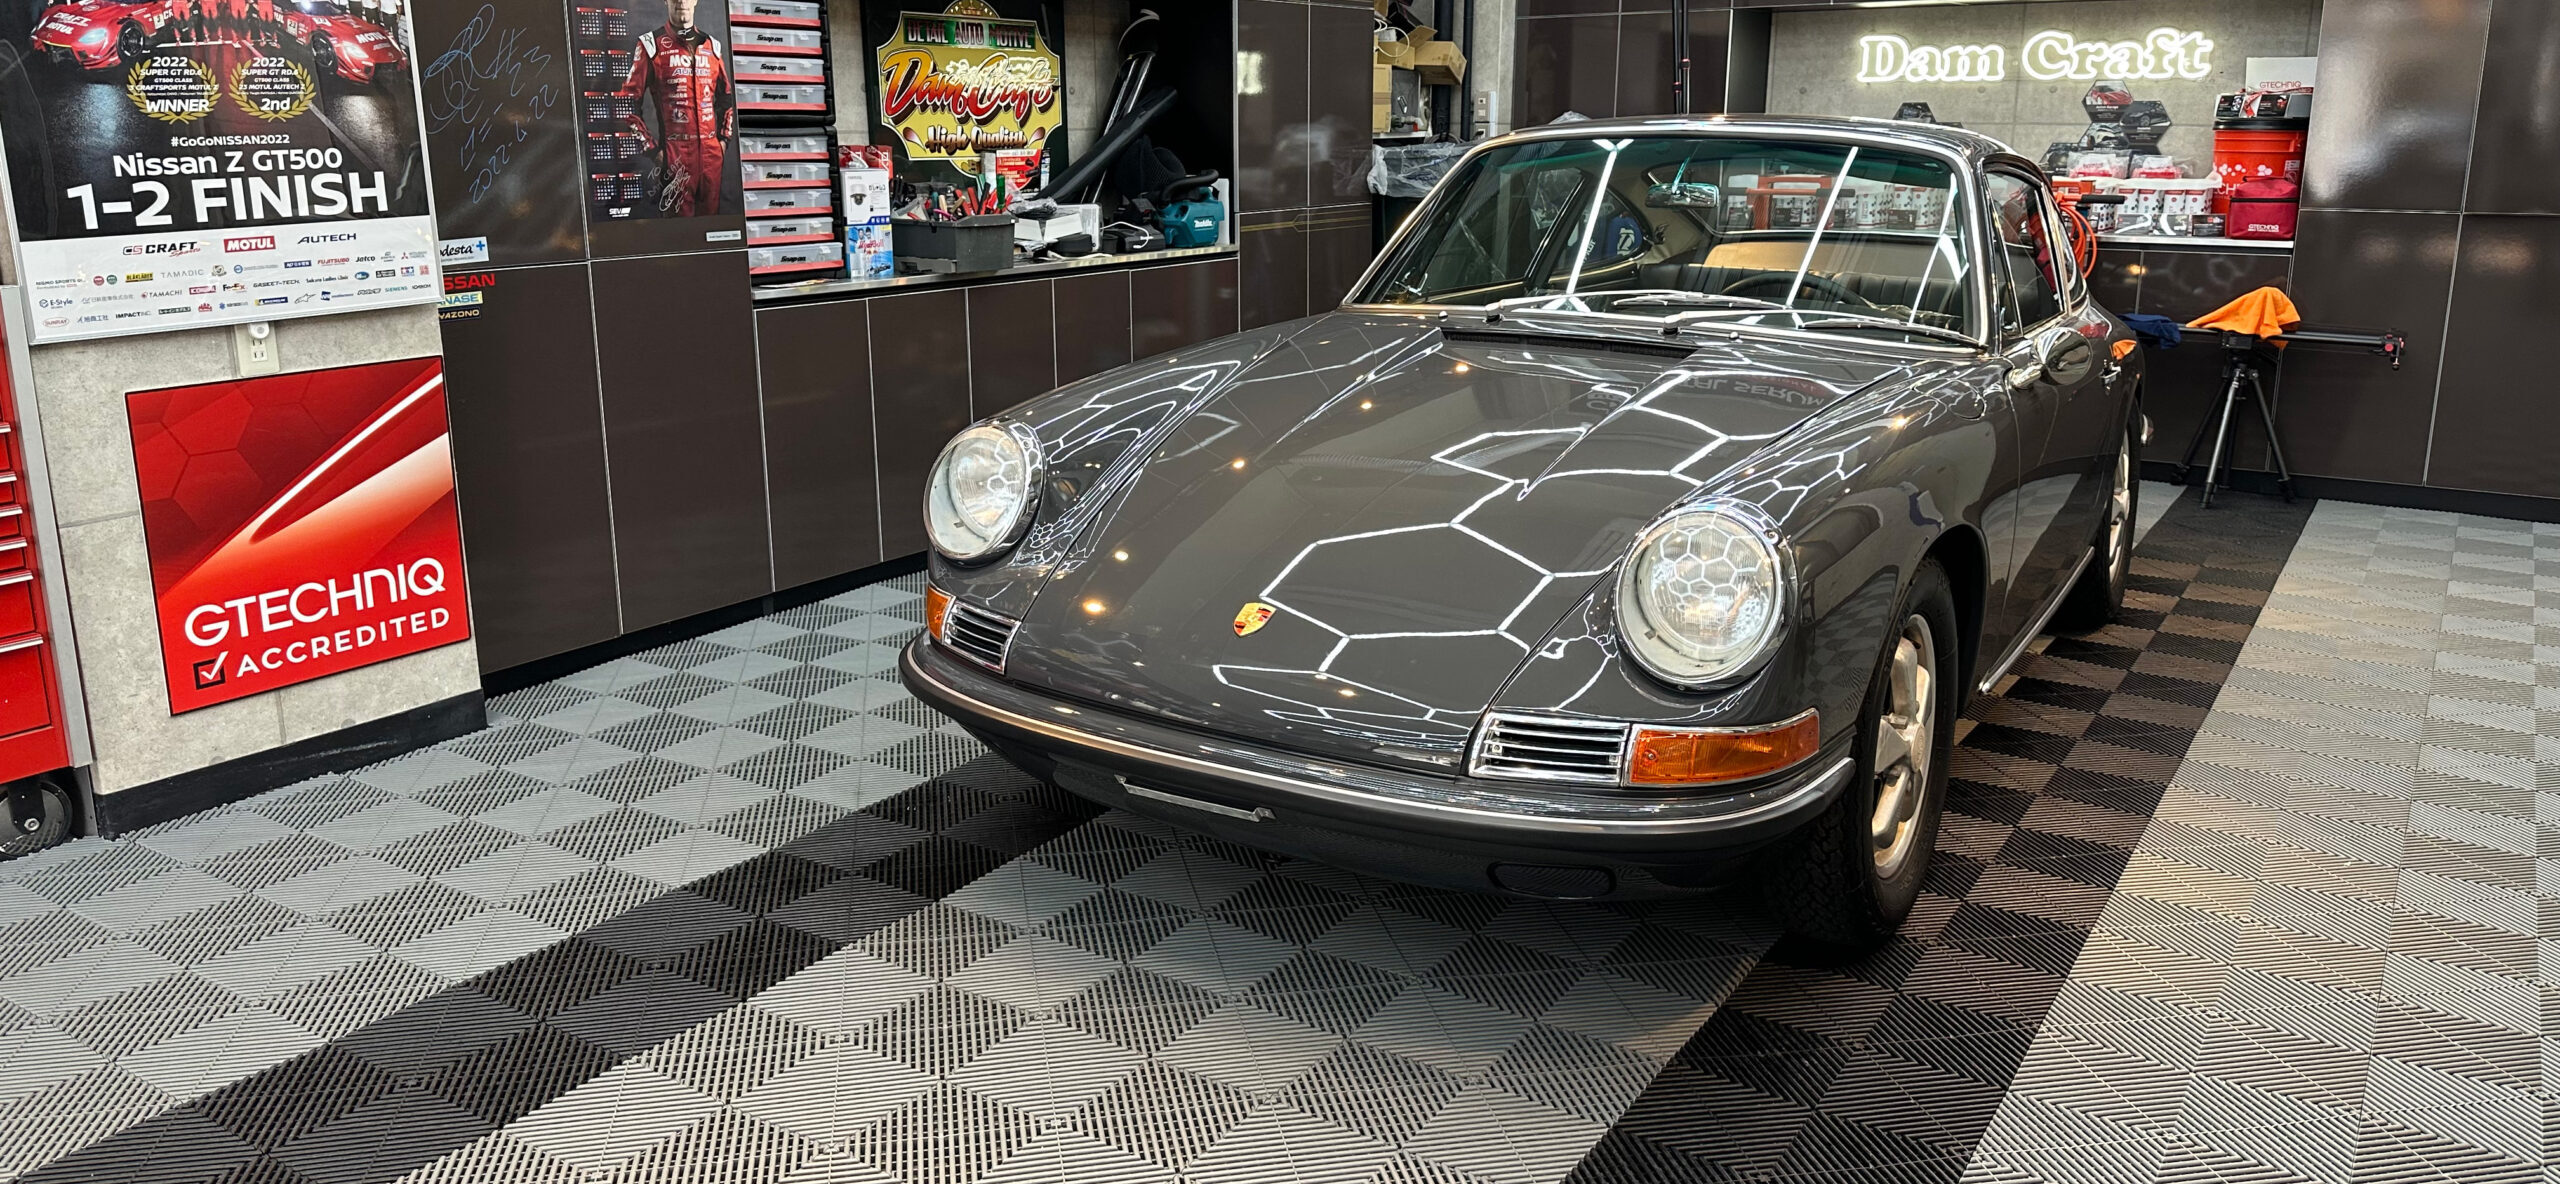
1638 524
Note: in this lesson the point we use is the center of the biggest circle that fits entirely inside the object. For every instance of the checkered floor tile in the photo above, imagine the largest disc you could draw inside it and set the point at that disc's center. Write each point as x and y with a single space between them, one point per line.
150 977
1890 1070
2257 885
2333 954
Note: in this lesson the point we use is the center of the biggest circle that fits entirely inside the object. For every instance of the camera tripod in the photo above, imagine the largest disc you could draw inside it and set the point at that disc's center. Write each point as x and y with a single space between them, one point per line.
2242 357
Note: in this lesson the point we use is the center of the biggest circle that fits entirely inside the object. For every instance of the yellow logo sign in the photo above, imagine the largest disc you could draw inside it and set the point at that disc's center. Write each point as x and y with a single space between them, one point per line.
1252 617
963 81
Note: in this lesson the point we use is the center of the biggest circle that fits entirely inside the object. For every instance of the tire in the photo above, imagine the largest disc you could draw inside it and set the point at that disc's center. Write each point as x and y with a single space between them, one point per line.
132 44
2097 600
1837 889
37 815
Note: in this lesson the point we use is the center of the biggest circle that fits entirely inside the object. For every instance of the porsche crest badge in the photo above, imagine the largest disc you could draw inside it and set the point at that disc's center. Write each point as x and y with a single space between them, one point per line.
1254 615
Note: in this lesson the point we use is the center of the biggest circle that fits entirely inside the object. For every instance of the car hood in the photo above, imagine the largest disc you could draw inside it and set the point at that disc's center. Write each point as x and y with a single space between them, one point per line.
1415 507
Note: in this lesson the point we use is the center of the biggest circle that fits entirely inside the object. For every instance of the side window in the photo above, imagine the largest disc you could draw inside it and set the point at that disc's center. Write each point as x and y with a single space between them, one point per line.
2030 257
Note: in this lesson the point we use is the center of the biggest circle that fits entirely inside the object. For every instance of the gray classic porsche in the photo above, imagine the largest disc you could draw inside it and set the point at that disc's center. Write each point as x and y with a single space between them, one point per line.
1640 523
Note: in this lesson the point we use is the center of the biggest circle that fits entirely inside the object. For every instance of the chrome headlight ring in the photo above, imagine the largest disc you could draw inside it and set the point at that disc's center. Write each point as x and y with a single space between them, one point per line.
1721 610
984 491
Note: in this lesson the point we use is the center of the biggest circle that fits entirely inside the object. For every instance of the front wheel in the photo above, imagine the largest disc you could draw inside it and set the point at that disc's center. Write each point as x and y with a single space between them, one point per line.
132 44
1844 883
2097 600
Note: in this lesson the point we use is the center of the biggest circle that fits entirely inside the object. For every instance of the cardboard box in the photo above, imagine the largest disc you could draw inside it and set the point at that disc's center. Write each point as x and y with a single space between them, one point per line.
1382 97
866 195
869 251
1440 63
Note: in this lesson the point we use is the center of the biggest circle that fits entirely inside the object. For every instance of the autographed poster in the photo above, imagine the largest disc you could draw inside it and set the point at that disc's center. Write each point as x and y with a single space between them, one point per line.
657 95
180 163
498 86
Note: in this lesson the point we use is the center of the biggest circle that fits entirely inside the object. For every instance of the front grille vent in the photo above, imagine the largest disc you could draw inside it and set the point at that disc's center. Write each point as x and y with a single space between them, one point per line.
977 635
1549 748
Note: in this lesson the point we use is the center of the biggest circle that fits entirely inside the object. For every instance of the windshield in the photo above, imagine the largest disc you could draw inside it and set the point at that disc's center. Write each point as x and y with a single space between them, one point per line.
1793 233
321 7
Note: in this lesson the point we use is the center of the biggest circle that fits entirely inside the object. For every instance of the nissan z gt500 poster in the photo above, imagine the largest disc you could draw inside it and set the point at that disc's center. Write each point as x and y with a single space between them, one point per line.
178 163
298 525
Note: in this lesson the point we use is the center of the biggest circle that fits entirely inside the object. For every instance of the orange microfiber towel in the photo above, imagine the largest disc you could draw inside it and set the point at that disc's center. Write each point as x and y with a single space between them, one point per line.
2263 313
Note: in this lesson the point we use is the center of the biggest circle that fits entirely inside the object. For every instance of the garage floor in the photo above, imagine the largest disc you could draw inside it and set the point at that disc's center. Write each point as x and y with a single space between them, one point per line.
2257 886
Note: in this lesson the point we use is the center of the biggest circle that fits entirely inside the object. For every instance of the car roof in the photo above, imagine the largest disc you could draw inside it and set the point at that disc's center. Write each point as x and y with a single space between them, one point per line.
1975 147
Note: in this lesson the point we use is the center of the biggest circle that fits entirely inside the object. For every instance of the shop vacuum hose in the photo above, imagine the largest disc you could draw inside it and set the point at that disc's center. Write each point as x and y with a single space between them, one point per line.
1090 169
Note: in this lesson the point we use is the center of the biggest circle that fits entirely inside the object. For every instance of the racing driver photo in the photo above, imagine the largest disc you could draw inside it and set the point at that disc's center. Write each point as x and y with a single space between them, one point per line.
683 107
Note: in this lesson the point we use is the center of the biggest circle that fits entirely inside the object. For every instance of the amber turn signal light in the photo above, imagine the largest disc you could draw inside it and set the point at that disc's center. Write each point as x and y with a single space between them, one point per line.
1694 756
937 605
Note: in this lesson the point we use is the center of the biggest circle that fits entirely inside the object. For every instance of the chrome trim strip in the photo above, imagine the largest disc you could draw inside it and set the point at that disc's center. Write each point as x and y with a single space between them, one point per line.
1816 787
2043 619
1256 814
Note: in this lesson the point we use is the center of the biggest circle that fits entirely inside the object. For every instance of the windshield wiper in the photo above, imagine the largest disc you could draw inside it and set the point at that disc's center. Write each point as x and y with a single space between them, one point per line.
1890 325
1498 307
1715 299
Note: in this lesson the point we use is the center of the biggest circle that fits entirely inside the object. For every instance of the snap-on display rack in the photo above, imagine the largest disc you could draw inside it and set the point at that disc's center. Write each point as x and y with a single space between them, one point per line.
786 139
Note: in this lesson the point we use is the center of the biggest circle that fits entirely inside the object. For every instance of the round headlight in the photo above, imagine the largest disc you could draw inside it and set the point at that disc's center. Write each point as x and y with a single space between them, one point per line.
1703 598
979 499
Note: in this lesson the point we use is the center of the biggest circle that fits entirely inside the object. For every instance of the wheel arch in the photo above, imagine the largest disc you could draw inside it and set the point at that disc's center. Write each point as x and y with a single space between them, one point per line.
1962 554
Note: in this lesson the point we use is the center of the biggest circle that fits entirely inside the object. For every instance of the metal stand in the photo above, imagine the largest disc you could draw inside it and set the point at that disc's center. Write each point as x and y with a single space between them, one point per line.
2241 357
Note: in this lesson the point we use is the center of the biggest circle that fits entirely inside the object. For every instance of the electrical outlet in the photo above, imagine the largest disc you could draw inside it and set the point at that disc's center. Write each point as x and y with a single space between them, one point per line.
254 347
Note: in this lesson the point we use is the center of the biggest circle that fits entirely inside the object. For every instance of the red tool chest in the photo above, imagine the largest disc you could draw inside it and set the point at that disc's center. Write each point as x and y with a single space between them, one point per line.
32 737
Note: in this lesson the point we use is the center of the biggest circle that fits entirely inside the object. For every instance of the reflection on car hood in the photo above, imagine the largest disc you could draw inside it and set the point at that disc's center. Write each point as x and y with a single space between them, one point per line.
1415 508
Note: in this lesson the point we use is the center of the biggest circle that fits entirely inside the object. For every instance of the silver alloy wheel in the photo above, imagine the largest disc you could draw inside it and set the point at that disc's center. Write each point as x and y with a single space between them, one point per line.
2120 513
1905 738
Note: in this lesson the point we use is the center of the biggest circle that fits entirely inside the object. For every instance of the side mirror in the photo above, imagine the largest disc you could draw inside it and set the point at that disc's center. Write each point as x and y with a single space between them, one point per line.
2059 354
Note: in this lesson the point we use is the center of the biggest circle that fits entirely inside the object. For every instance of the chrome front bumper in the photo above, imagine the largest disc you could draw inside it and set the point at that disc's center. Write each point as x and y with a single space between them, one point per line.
1266 797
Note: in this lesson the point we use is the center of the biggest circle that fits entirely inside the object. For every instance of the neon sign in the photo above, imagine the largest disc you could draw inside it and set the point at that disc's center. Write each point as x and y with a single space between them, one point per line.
2054 55
1884 57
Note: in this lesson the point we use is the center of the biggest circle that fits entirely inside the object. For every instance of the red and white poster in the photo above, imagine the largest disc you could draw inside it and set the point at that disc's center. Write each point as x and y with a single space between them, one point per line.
299 525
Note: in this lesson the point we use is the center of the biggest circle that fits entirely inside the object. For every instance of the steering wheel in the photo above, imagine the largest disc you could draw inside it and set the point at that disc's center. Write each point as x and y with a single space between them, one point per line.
1820 285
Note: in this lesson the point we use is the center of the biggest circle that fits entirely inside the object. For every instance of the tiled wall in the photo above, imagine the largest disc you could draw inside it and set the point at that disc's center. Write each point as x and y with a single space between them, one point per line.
2430 206
1302 119
1612 57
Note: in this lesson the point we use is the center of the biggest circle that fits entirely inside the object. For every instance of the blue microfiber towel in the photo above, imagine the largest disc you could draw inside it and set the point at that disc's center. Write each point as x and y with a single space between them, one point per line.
2162 332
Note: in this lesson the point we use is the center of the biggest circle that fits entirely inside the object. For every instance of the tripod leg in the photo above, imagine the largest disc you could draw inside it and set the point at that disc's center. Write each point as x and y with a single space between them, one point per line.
2267 415
2221 436
2187 463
